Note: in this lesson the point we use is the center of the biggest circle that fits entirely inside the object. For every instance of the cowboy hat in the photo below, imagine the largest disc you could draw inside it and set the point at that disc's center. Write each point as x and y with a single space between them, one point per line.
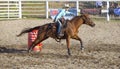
66 6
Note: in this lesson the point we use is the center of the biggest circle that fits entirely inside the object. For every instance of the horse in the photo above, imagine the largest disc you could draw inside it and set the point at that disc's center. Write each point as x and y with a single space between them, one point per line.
70 31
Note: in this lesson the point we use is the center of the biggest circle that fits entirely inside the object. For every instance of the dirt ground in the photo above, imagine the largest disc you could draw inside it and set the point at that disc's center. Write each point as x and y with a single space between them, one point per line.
102 47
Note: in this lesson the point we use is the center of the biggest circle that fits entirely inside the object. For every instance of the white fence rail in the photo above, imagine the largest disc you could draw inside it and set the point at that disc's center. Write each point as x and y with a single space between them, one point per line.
10 9
15 9
33 8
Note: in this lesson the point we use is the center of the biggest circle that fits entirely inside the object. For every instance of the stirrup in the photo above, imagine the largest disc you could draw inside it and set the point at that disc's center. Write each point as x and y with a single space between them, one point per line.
60 35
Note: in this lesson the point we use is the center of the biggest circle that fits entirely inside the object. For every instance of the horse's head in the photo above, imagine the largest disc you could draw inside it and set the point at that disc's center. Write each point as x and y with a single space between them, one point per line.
87 20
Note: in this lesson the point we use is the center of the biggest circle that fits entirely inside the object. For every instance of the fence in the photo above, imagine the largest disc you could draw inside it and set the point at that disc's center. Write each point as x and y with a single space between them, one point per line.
33 8
15 9
10 9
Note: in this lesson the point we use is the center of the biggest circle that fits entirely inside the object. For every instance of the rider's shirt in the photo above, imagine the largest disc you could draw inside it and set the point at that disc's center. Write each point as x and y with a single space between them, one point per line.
61 14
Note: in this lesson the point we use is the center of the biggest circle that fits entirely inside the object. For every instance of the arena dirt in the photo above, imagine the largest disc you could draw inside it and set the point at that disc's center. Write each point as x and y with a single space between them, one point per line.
102 47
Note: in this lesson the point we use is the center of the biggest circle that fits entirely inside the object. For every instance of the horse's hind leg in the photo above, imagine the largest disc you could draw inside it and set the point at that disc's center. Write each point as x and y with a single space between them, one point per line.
33 44
38 40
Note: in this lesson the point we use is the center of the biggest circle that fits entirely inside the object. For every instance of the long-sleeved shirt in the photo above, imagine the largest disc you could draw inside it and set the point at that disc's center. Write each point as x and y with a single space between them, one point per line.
61 14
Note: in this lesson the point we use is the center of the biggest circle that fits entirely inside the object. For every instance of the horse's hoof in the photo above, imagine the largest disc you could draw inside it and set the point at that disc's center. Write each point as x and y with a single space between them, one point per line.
69 54
28 51
82 48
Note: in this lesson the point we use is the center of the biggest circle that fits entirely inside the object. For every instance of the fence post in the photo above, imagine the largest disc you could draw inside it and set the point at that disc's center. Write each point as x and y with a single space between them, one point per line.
77 7
47 8
8 10
108 17
20 9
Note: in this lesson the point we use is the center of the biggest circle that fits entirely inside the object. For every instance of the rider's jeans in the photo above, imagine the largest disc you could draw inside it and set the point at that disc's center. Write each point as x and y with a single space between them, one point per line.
59 27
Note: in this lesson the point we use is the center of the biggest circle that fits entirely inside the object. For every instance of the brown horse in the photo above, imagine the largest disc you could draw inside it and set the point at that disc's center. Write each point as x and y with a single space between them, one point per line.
70 31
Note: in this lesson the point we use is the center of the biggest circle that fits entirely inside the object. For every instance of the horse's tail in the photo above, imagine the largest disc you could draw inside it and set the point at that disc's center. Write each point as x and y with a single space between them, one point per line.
27 30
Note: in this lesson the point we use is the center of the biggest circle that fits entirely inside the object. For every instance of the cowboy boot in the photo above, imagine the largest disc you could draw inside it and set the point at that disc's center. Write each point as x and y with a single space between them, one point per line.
60 34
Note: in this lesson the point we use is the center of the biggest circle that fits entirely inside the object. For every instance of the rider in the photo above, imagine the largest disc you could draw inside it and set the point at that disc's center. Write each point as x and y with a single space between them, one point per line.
60 15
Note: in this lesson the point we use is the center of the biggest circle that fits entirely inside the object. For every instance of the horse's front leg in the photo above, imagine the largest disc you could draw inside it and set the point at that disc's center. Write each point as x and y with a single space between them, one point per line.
81 43
68 45
78 38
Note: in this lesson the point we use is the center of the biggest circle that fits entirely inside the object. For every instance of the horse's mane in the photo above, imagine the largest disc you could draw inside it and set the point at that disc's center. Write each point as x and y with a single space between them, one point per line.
75 18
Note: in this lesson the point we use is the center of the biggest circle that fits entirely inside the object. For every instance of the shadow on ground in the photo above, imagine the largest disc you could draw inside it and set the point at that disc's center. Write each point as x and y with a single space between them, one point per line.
11 50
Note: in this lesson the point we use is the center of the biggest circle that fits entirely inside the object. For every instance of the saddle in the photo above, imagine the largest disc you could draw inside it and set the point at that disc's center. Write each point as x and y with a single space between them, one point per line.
64 25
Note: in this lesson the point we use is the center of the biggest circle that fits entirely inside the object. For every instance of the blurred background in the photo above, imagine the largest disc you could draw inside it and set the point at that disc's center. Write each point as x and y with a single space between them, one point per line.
16 9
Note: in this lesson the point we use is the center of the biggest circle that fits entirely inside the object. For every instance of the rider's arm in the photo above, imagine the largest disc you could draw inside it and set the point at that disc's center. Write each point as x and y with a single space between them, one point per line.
59 15
67 12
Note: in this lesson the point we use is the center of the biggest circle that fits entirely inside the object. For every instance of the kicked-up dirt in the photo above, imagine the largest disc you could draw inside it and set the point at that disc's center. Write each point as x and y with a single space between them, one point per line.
101 43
